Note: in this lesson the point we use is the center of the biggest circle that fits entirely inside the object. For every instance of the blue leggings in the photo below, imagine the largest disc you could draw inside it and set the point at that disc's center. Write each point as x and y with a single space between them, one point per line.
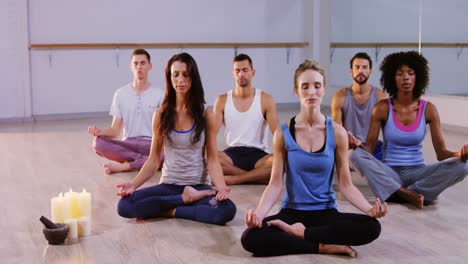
148 202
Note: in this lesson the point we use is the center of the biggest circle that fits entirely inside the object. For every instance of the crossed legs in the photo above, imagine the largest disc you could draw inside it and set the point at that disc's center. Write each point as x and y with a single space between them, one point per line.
260 174
124 155
188 202
310 232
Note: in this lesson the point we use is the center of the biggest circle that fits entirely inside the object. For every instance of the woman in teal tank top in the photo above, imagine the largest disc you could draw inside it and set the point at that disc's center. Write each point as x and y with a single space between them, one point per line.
402 176
308 221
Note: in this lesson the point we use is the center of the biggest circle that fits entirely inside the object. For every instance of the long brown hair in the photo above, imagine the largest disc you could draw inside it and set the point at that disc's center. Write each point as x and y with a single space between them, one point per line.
196 99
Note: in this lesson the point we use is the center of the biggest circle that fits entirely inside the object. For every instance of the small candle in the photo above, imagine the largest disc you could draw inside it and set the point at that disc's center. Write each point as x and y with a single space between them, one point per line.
71 198
84 203
60 209
73 232
84 226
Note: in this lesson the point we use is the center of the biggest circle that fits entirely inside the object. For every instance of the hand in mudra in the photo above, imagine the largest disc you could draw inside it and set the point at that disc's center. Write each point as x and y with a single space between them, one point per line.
378 210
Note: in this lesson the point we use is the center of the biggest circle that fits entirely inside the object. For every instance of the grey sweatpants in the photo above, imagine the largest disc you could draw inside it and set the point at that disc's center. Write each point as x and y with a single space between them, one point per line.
428 180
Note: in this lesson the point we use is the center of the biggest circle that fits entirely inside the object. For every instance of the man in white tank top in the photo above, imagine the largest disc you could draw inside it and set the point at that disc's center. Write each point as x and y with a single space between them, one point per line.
245 111
132 109
350 104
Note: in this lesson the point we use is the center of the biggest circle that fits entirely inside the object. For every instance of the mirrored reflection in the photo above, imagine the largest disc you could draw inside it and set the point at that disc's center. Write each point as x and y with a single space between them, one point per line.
431 26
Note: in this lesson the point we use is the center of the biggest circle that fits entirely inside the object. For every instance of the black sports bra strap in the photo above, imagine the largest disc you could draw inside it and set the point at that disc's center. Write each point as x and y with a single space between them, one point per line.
292 130
292 127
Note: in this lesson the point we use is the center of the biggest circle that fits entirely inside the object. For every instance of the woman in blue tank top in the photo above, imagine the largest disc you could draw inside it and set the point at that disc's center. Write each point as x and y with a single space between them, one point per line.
187 131
307 151
402 176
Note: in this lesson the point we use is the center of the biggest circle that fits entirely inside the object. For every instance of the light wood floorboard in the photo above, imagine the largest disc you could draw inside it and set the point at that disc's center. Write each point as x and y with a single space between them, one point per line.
39 160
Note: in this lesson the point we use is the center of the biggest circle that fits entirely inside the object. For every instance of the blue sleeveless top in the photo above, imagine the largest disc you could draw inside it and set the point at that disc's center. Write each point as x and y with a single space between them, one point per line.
309 175
403 144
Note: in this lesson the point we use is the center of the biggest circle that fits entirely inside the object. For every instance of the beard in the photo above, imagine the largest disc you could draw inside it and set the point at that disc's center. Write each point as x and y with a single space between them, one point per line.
362 80
243 83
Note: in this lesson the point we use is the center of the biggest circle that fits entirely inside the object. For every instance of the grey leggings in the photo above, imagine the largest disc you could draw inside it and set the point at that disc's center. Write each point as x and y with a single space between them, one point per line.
428 180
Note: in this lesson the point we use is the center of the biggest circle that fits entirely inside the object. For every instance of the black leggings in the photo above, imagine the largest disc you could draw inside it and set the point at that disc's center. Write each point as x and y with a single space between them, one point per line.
322 226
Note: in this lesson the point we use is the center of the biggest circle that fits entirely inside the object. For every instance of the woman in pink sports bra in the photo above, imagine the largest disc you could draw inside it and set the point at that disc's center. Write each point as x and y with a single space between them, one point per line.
402 175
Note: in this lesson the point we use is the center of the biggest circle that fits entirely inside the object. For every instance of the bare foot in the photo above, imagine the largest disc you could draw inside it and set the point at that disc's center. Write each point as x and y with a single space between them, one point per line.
413 198
191 195
230 180
107 169
296 229
113 167
337 250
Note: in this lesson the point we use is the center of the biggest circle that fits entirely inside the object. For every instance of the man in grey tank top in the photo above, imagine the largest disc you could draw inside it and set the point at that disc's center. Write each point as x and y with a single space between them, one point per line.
352 106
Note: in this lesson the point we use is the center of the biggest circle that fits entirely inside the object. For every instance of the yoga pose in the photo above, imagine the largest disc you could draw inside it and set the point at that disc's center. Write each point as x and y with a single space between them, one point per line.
352 106
308 150
132 109
244 111
402 175
187 130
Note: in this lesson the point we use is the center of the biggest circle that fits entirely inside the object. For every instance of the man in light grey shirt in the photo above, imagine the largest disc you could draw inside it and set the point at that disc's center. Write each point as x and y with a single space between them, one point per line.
132 110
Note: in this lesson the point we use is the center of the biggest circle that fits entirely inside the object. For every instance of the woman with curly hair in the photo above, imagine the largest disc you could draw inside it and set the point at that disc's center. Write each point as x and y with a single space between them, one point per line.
402 175
186 129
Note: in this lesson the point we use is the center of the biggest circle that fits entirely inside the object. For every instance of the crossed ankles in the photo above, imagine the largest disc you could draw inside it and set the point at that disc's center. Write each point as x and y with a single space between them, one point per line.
411 197
337 250
191 195
114 167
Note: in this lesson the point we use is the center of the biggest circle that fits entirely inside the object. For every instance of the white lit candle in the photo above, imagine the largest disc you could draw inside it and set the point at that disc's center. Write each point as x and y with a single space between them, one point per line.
84 203
60 209
71 198
84 226
73 232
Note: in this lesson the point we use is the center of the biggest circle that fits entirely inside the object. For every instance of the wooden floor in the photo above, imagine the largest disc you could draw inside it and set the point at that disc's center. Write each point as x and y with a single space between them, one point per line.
39 160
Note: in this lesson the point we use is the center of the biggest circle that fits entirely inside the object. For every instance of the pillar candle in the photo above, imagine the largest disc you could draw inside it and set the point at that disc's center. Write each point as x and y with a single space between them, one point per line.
84 226
60 209
73 233
71 198
84 203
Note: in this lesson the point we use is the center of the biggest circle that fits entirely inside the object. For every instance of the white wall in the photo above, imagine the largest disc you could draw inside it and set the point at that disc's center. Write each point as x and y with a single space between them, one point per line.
14 60
165 21
74 81
48 82
317 31
83 81
398 21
